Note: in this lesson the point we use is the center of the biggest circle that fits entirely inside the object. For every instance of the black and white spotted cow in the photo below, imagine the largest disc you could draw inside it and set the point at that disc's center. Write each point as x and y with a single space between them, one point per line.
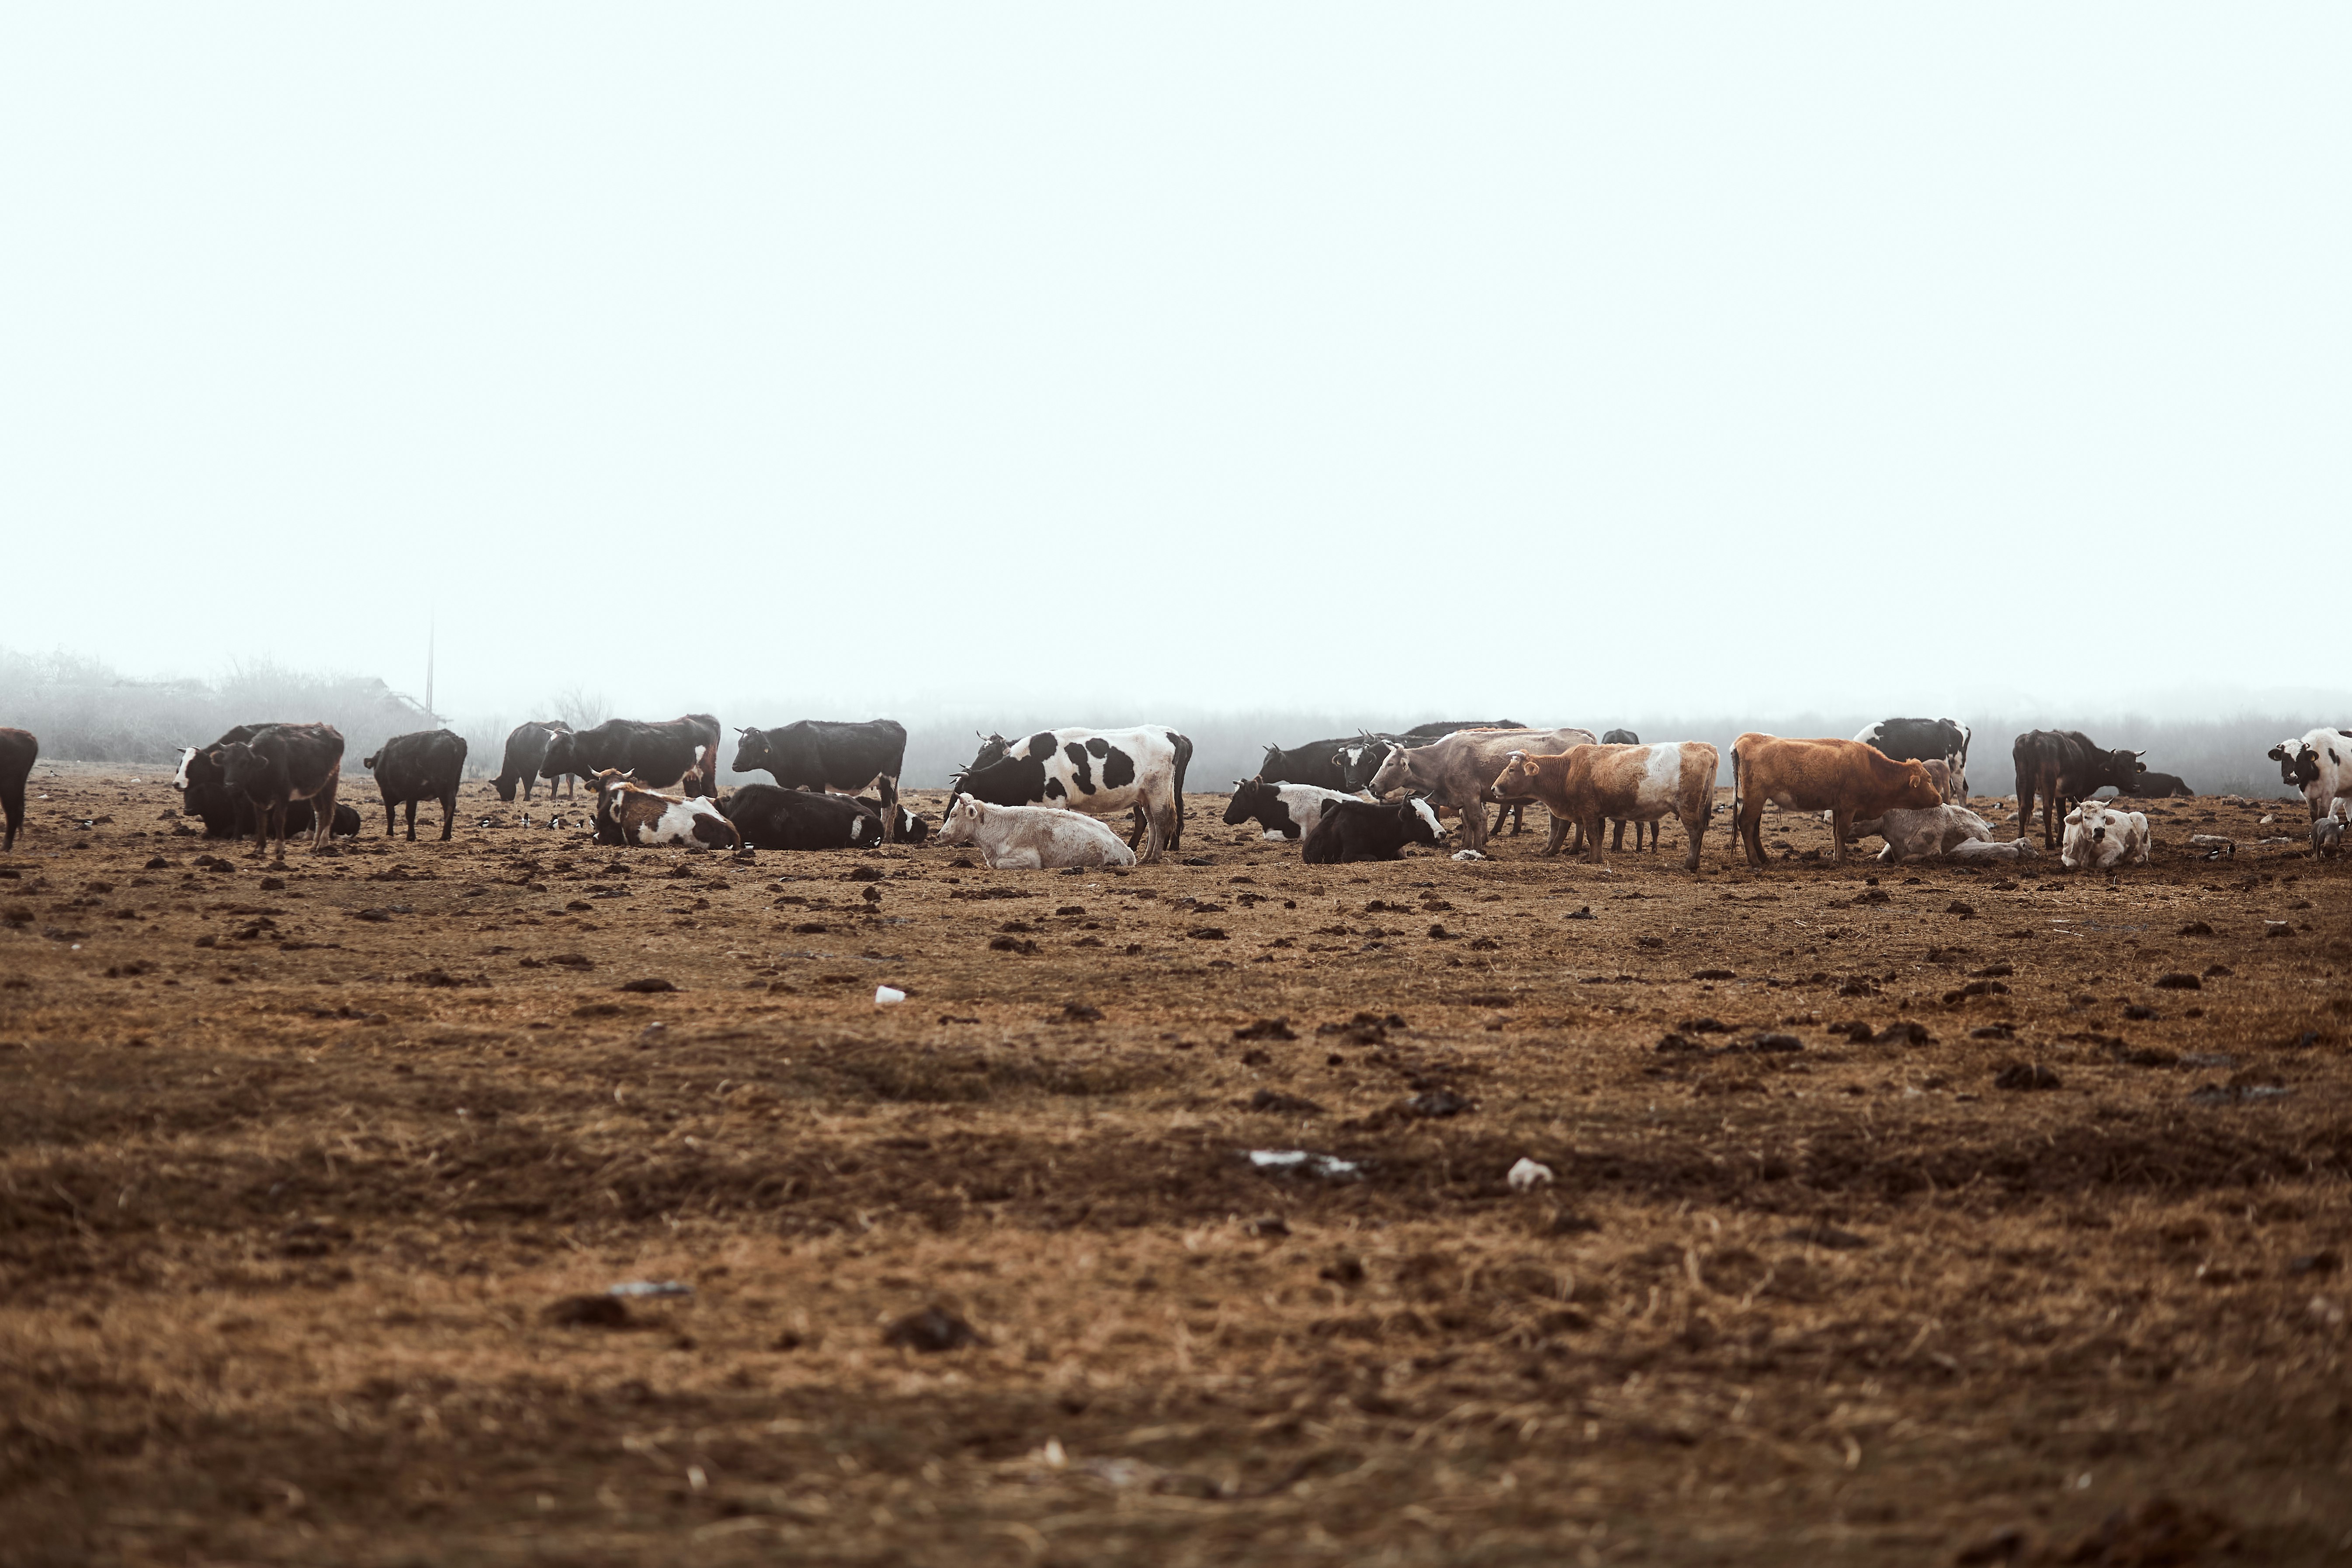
1098 771
1285 810
1924 739
2320 765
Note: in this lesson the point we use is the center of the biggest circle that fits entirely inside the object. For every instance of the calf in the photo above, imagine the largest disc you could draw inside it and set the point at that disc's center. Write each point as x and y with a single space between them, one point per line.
283 764
629 813
1459 771
1586 785
1097 772
1923 740
2320 766
2062 765
1032 837
1923 834
17 750
527 746
2158 786
830 754
909 827
770 816
1349 830
426 765
2099 836
656 755
1846 778
1982 851
1284 810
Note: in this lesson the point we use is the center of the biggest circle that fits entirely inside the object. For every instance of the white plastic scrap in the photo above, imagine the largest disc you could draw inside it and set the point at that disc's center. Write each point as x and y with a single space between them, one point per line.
887 995
649 1287
1468 854
1331 1167
1528 1174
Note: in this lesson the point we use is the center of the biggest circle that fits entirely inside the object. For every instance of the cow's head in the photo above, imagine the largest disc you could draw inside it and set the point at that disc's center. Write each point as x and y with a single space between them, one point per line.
180 779
1393 770
864 831
1421 824
369 764
559 758
1518 776
2298 762
992 748
1249 796
962 821
751 750
2124 767
1920 790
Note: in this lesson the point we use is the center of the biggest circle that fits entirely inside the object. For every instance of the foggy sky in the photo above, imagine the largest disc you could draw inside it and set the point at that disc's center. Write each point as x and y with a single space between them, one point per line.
846 360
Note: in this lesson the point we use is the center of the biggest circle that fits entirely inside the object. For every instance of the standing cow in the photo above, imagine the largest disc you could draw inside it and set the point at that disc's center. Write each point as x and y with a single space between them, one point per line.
425 766
1098 771
281 765
830 754
1585 785
1846 778
1921 740
1458 772
657 754
2063 765
17 750
526 747
228 815
1320 763
2319 766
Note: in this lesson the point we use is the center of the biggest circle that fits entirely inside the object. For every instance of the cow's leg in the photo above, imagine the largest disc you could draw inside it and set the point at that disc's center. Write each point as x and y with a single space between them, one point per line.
1694 829
1618 827
391 818
1749 829
1518 819
1841 824
1155 837
1593 849
412 819
448 814
889 789
1559 826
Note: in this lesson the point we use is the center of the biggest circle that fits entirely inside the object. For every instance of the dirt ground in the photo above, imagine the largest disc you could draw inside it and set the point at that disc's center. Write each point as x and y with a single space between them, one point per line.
1953 1216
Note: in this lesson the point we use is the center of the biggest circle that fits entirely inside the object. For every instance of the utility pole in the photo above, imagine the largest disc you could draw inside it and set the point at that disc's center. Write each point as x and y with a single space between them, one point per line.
431 627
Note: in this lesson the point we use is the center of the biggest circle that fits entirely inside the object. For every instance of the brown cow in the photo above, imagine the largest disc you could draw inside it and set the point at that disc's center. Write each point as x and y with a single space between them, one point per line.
1844 778
1589 784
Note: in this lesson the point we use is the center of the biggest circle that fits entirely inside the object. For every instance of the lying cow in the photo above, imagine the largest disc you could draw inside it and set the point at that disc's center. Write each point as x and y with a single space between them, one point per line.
1102 772
1032 837
281 765
770 816
1944 740
426 765
1586 785
912 829
842 755
2320 766
1349 830
1924 834
1458 772
2158 786
1987 851
1285 811
526 754
17 750
2099 836
1846 778
629 813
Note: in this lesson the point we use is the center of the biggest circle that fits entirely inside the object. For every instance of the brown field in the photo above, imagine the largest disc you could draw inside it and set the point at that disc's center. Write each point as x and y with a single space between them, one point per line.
303 1171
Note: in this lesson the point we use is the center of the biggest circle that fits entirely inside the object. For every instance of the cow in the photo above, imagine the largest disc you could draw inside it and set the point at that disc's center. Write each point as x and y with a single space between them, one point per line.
1617 824
909 828
527 746
1924 834
771 816
17 750
2320 766
229 815
1846 778
830 755
1920 739
2156 786
1438 728
1032 837
1097 772
1320 763
1459 771
1284 810
656 755
1349 830
1584 785
1983 851
1361 757
629 813
283 764
1620 737
426 765
2099 836
2063 765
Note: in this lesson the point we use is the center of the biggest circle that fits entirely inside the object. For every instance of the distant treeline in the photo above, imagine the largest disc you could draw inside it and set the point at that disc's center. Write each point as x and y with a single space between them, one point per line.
84 711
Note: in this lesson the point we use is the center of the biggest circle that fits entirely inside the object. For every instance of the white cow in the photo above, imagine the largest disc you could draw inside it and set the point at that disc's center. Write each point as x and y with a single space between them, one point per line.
1982 851
2099 836
2320 765
1033 838
1923 834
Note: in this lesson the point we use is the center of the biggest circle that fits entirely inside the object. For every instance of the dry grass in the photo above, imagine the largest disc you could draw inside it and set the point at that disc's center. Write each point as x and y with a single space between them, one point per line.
282 1216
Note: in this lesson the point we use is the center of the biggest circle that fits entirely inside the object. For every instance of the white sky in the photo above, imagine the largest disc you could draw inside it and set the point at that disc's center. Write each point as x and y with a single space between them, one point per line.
843 359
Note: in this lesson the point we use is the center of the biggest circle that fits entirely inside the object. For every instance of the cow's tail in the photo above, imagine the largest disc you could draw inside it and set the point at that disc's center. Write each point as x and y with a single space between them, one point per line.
1183 744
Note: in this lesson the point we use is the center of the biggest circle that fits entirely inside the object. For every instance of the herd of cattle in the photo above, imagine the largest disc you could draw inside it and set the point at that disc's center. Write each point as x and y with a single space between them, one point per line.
1041 800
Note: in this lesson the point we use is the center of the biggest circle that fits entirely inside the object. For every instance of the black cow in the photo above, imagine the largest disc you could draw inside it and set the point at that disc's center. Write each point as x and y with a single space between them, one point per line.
2158 786
228 815
281 765
17 750
655 755
1620 737
770 816
830 755
1317 762
426 765
1367 830
1944 740
909 828
527 746
2063 765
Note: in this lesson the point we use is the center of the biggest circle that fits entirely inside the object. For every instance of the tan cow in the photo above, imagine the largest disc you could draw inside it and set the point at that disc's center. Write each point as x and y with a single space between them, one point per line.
1586 785
1844 778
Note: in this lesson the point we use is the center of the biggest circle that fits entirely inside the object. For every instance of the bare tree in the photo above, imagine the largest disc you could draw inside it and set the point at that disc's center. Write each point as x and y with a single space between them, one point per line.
581 708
